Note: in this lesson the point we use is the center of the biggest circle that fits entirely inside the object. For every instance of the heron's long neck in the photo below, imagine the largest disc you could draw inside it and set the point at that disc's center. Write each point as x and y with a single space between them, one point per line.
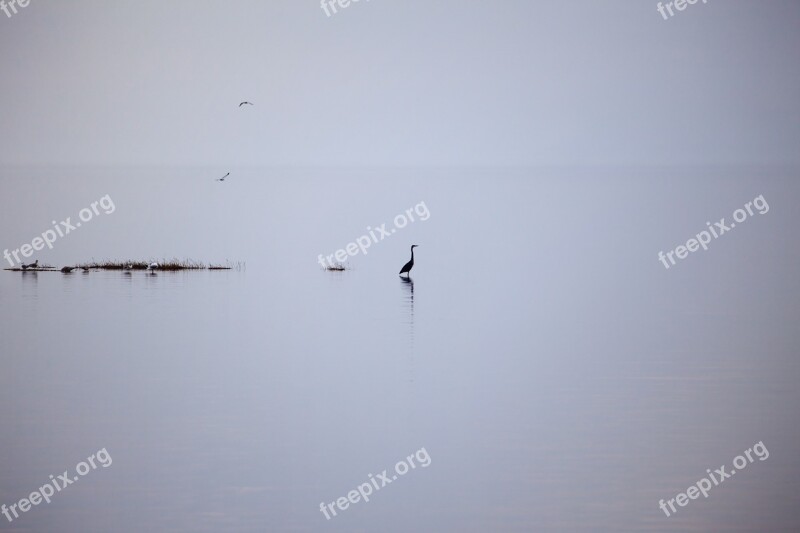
412 254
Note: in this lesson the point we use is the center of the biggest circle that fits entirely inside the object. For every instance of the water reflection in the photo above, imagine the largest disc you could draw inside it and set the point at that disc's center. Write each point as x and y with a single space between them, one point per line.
30 284
408 307
408 302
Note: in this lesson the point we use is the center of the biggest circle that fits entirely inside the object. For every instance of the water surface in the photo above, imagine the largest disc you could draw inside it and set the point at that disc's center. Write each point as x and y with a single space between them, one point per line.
559 376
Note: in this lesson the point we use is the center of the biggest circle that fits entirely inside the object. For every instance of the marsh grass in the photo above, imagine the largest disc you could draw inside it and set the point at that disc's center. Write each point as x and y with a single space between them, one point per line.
167 265
164 265
236 265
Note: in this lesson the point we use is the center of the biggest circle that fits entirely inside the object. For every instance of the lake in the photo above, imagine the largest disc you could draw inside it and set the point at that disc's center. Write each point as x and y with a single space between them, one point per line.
556 374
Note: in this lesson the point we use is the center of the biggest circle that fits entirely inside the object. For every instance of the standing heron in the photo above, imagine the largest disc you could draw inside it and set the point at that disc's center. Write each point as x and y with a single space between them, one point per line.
408 266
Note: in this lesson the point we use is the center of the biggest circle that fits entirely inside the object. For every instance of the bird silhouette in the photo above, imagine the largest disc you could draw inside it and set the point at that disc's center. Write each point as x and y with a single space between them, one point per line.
408 266
246 103
223 177
68 270
35 264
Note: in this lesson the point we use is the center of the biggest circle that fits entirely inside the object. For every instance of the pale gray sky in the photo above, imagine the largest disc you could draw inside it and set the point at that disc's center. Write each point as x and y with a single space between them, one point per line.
399 82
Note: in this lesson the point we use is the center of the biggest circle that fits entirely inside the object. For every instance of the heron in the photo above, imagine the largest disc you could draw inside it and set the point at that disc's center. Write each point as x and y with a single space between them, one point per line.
408 266
246 103
35 264
223 177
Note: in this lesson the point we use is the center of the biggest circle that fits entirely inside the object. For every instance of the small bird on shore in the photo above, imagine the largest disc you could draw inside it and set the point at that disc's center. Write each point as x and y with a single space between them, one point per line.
223 177
408 266
246 103
152 266
35 264
67 270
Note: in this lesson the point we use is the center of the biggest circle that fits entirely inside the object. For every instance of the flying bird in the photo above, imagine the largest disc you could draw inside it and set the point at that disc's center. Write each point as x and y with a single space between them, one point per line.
246 103
408 266
223 177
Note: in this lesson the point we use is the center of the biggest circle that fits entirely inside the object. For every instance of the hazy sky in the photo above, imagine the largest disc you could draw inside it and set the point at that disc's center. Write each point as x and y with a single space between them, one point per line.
391 82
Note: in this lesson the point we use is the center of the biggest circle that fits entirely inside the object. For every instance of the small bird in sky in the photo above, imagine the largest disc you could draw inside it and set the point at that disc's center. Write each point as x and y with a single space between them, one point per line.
246 103
223 177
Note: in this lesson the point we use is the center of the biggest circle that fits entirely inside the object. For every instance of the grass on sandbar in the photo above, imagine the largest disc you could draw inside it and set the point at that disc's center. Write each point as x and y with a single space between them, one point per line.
172 264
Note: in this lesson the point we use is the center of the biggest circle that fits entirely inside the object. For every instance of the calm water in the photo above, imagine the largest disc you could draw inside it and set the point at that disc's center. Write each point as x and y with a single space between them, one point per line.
558 376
